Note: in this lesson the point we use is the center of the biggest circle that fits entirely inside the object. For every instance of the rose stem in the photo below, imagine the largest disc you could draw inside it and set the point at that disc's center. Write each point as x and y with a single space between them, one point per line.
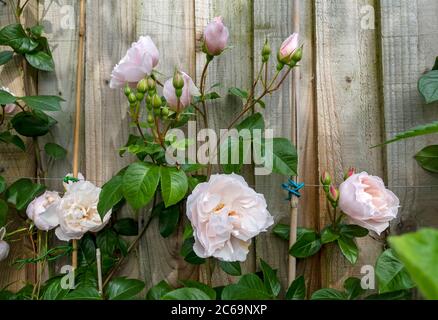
292 266
77 127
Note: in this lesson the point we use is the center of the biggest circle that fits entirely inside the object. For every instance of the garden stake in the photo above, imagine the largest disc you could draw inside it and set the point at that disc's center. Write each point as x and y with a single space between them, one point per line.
294 137
99 270
77 127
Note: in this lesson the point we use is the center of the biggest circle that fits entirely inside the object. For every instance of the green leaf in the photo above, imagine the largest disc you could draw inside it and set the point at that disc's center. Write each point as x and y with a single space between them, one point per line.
308 243
188 231
396 295
5 57
53 291
6 97
297 289
249 287
43 103
3 212
22 192
55 151
87 250
168 220
107 240
428 86
123 289
391 274
194 180
261 103
201 286
83 293
329 235
186 294
353 231
230 146
37 30
8 137
435 66
2 184
282 231
110 195
238 93
192 167
270 278
348 248
139 183
353 288
40 60
427 158
32 124
414 132
174 185
284 156
231 268
188 253
254 121
212 96
15 36
158 291
328 294
126 227
419 253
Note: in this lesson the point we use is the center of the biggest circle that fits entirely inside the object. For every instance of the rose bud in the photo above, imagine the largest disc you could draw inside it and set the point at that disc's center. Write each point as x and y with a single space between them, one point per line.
142 86
325 178
40 205
333 194
138 62
4 246
188 91
349 173
266 51
367 202
215 37
156 101
132 98
10 107
287 49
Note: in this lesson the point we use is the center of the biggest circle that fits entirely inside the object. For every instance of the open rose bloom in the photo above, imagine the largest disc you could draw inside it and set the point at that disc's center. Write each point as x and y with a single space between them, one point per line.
226 214
365 199
76 212
4 246
40 205
138 62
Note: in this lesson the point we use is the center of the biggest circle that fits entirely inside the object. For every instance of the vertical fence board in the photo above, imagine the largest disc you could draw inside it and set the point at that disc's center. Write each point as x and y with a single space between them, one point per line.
14 163
109 33
348 113
233 68
171 26
409 48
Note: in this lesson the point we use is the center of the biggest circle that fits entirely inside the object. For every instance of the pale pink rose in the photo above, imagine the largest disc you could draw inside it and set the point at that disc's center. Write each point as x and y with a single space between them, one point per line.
288 47
76 213
226 214
138 62
188 91
4 246
40 205
367 202
215 36
10 107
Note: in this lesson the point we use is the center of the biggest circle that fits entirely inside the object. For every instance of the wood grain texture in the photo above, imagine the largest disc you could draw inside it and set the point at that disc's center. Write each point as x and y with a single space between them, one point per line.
15 163
409 47
233 68
110 30
348 114
170 24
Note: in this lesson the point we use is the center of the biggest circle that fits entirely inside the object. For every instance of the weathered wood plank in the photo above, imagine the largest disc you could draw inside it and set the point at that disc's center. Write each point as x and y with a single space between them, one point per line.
110 30
59 19
348 113
234 68
409 47
15 163
170 24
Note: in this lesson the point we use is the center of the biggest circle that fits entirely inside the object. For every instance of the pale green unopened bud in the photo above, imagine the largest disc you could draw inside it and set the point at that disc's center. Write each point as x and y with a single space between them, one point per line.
151 119
127 90
151 84
266 51
139 96
178 80
165 112
156 101
142 86
298 55
132 98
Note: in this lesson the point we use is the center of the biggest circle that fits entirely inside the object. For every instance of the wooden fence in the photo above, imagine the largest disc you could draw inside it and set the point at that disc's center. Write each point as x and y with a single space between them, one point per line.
362 59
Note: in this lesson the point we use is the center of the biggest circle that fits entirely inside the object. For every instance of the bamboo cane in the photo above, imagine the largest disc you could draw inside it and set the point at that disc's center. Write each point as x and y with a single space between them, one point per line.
294 137
77 126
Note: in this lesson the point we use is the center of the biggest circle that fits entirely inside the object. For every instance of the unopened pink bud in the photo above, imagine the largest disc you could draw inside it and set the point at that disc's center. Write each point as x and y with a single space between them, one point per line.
288 48
349 173
215 37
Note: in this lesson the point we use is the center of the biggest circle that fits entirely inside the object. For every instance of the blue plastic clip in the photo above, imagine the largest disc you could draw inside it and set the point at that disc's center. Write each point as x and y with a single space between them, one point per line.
293 188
